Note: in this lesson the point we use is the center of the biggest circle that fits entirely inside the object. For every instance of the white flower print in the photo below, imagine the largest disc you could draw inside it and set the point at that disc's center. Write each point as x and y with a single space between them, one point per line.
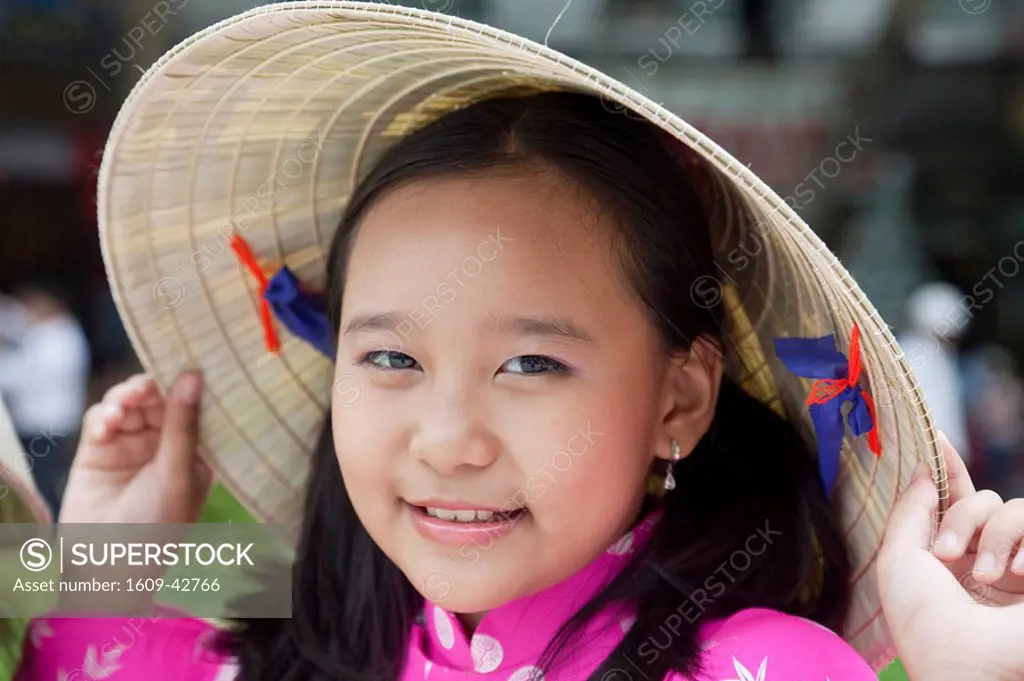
744 673
228 671
203 641
626 623
623 545
40 630
527 673
708 645
93 667
96 667
486 652
426 668
443 627
115 653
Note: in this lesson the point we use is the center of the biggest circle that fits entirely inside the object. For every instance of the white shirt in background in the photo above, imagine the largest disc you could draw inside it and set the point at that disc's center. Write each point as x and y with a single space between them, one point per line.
935 366
44 374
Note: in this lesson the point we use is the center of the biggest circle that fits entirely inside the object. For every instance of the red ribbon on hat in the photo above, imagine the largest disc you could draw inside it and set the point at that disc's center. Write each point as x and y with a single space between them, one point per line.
825 390
245 256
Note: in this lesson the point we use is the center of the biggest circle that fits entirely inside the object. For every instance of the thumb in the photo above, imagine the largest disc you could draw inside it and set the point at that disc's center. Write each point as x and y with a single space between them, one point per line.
912 519
177 452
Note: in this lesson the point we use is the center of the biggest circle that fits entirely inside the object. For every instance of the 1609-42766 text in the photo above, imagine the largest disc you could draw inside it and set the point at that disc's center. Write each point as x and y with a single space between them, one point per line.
181 584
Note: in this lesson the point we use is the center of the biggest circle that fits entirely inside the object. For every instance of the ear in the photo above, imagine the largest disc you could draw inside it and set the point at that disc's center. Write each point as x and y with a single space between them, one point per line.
691 394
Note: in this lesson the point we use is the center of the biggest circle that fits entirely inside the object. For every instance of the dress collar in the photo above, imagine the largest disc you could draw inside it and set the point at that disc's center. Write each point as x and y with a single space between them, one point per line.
513 636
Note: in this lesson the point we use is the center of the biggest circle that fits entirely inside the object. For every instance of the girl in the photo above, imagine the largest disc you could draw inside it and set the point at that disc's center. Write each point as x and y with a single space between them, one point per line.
536 465
745 480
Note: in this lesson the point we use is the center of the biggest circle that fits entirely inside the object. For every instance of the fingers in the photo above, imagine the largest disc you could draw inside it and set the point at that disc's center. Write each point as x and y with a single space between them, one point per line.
999 542
177 452
132 392
962 522
910 523
960 484
154 416
120 409
101 422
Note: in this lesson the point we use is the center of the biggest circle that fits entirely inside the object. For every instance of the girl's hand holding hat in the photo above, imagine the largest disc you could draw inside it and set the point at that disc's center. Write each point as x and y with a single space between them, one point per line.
955 607
137 461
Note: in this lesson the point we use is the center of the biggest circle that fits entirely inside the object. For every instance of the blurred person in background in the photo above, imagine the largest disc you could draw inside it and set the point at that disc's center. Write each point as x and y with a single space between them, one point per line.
936 319
44 370
994 396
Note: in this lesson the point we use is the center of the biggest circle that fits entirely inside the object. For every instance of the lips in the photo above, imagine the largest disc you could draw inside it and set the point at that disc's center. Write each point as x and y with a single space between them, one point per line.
470 515
457 523
466 516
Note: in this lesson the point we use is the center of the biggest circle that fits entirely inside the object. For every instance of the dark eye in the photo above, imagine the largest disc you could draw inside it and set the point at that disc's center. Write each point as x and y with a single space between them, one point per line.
534 364
388 360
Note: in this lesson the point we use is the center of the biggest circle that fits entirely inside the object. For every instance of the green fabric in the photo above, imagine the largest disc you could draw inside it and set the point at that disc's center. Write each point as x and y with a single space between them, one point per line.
895 672
222 507
12 510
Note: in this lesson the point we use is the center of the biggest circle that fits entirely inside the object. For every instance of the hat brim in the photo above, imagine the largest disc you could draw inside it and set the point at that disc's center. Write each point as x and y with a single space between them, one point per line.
262 125
20 501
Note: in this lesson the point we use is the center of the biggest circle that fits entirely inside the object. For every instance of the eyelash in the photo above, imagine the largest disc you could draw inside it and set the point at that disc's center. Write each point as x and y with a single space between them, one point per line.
553 366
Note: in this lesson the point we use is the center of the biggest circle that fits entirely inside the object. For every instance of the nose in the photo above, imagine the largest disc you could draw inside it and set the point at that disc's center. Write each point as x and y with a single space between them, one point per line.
450 439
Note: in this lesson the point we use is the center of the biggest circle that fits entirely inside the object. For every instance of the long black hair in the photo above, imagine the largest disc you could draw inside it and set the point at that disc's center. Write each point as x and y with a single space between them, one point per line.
750 485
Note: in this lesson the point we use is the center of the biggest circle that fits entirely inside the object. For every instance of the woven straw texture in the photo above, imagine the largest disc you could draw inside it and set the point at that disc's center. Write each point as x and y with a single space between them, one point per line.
20 501
262 125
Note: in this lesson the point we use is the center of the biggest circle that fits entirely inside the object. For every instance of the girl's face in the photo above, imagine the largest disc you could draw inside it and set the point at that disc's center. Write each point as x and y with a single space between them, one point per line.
491 359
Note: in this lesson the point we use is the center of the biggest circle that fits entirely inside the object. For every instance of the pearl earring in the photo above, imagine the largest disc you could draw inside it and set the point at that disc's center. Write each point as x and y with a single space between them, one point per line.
670 480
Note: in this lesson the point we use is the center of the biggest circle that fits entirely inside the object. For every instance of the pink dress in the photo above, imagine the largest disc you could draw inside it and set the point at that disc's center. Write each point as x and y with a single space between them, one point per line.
752 645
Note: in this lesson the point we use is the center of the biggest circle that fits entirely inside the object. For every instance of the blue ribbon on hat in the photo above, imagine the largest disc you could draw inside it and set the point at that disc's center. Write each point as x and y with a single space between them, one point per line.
303 312
837 384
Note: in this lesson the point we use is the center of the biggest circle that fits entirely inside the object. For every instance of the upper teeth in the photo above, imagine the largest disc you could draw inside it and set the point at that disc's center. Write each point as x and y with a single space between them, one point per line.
460 516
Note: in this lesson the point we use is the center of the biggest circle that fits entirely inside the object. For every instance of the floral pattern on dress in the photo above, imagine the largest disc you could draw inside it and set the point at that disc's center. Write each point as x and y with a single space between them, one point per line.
505 646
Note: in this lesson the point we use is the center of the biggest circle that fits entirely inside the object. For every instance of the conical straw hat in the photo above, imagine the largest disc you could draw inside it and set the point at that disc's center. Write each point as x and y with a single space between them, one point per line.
20 501
261 125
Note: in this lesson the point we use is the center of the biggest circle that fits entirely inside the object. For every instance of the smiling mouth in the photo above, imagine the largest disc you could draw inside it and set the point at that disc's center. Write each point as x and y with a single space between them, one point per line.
470 516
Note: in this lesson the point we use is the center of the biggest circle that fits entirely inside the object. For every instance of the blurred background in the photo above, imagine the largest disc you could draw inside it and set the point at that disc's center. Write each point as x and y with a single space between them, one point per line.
895 128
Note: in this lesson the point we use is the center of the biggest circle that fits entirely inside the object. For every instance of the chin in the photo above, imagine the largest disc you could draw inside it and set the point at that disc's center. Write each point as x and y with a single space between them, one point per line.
473 594
463 586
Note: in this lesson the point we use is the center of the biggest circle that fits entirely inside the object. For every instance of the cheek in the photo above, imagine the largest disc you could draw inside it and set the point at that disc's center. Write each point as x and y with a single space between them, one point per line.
367 455
594 465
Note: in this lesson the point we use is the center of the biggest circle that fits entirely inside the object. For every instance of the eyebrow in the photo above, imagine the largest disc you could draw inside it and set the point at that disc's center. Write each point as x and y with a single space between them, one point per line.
560 327
387 321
